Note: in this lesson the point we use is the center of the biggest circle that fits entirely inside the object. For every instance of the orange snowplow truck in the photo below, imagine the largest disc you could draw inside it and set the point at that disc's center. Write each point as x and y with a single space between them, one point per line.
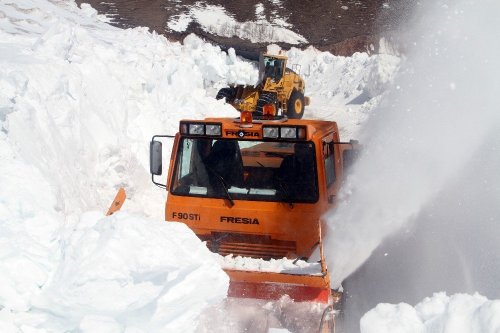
257 188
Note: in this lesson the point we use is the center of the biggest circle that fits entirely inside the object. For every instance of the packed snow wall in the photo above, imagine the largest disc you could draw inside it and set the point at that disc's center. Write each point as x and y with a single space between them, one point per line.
79 102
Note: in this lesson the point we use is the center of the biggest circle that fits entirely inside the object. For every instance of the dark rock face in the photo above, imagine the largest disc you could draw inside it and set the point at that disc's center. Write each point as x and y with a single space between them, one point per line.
339 26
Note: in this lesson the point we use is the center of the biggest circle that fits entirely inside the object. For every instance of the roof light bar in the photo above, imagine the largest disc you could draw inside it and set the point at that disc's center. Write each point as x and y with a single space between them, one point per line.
288 132
284 132
270 132
200 129
214 129
196 129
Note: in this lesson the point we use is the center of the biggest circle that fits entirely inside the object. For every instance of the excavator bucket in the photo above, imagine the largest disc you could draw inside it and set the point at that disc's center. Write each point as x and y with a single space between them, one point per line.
117 202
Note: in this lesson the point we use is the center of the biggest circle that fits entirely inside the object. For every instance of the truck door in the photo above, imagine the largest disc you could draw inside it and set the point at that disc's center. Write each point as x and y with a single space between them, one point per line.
330 157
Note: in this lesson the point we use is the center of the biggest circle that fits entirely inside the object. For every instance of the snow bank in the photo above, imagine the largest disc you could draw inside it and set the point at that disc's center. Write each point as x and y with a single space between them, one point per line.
460 313
136 272
80 98
115 273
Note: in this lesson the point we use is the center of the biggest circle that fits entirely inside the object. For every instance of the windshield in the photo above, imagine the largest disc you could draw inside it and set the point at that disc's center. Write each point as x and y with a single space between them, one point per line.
246 170
272 68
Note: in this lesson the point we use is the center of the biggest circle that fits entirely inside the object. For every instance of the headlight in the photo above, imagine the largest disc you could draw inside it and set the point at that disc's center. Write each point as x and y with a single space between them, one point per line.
288 132
213 129
270 132
196 129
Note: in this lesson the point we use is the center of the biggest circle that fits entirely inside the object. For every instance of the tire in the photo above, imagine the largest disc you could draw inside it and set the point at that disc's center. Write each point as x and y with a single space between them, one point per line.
227 93
266 98
295 106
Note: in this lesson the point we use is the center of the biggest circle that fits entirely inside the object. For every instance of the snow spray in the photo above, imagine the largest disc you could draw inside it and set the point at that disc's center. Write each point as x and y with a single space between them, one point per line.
421 204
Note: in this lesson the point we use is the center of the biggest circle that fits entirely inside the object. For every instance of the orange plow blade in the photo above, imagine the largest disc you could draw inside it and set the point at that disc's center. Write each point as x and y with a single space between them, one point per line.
272 286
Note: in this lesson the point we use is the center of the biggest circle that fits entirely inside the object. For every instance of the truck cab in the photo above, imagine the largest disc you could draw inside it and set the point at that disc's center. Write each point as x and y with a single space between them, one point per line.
254 188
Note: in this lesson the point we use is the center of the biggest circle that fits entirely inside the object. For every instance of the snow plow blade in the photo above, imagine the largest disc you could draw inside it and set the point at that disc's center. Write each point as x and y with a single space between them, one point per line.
272 286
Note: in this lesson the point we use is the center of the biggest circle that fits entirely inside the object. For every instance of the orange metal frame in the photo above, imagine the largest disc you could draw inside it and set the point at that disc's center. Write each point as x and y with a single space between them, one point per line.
277 220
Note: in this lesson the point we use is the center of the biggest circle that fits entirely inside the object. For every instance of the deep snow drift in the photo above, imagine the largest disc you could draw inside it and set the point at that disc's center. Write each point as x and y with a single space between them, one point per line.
439 313
79 102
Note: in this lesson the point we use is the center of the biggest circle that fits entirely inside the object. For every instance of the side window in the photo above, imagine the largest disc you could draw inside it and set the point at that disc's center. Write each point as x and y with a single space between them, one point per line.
329 163
185 162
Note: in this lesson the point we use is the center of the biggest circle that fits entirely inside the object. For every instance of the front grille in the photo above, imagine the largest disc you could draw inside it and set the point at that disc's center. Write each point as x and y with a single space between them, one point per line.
250 246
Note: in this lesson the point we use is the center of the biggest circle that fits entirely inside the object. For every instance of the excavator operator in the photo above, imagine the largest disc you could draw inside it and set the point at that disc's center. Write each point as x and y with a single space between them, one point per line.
273 69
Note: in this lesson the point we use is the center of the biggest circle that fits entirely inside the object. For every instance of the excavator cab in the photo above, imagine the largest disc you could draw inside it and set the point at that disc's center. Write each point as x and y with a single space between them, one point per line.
271 66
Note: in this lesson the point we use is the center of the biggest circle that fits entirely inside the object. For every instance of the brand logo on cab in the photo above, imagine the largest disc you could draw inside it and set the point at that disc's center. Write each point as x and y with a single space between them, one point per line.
236 219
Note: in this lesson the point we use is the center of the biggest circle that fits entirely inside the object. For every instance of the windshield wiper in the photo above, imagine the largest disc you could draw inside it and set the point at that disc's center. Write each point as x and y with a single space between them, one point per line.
288 197
223 183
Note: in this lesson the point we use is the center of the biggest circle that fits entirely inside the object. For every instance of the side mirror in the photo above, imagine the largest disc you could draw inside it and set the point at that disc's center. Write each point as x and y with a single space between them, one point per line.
155 158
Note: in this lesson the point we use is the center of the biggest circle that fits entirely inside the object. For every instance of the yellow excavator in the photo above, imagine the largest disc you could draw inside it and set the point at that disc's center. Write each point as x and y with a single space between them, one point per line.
279 91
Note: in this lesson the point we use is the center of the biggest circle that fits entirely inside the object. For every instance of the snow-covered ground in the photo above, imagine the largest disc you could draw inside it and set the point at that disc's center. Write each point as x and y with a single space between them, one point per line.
439 313
79 102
